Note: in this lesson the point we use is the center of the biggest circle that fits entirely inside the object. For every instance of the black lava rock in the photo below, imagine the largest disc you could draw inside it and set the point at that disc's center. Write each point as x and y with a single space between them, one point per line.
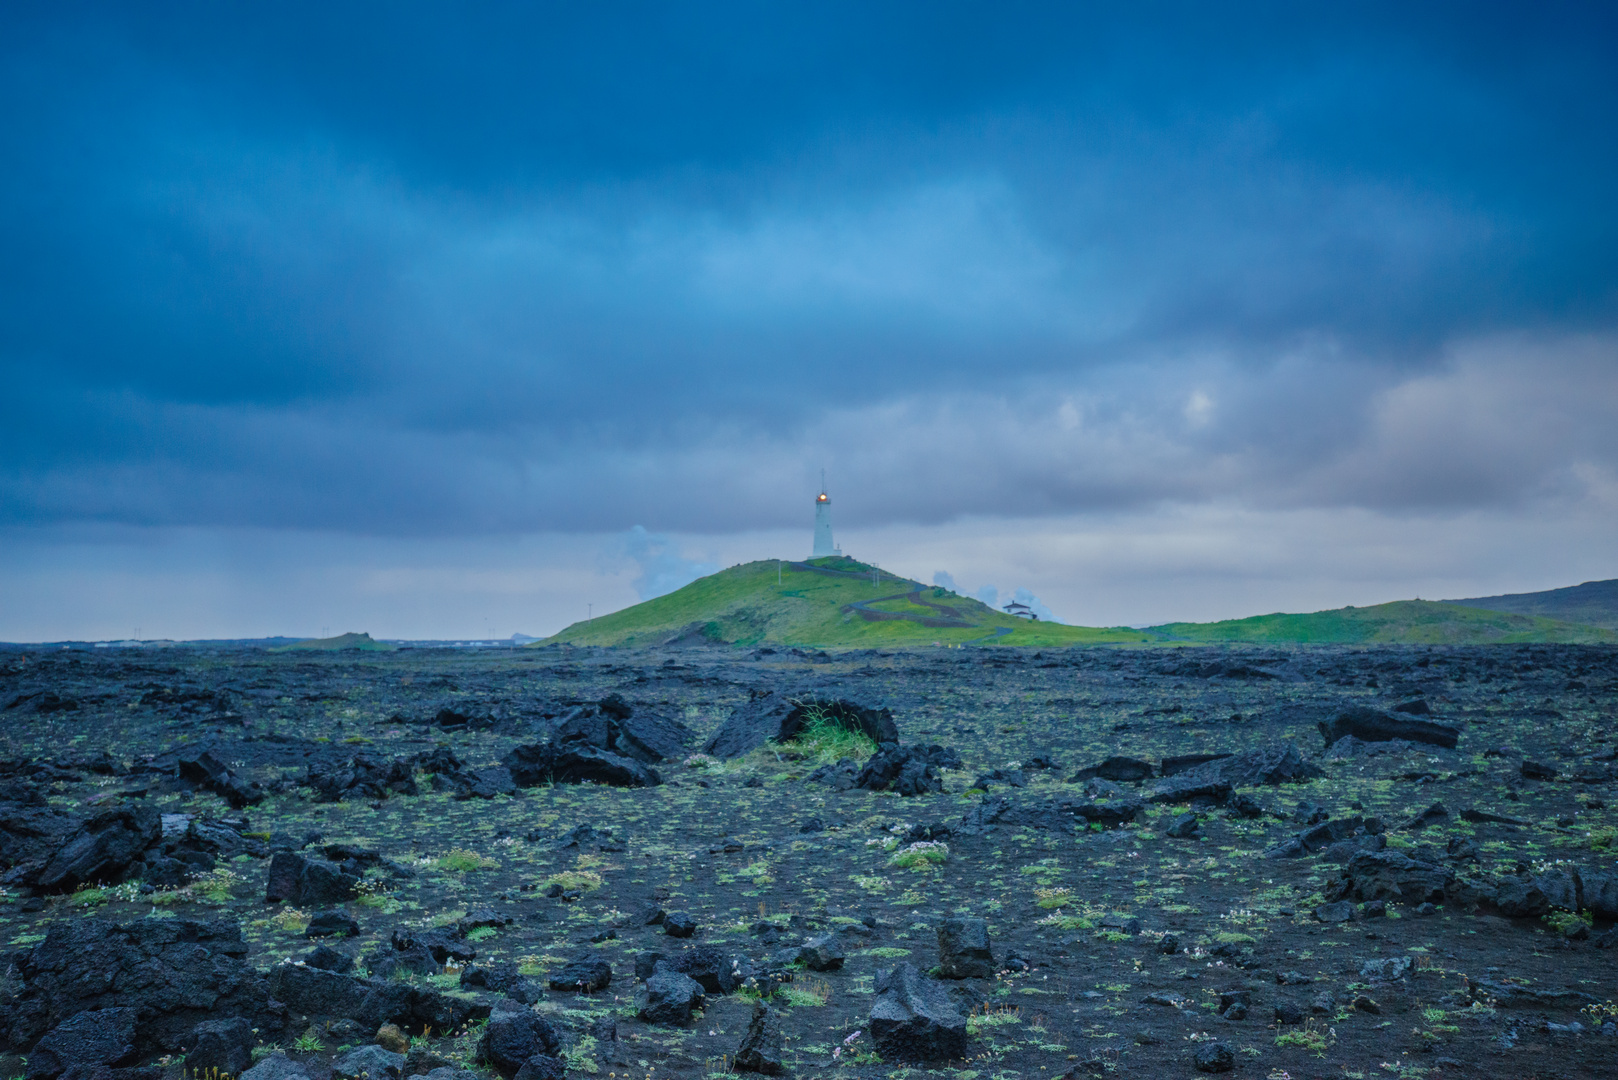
187 972
1122 770
1214 1058
332 924
511 1038
221 1047
97 1038
679 924
668 998
585 975
913 1019
1372 725
760 1049
1183 827
963 949
102 850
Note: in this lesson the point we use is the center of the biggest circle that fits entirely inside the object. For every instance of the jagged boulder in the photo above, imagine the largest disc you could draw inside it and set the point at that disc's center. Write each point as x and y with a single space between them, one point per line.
502 977
541 763
1521 899
512 1038
1173 766
220 1048
1389 875
1067 815
760 1049
102 850
1319 837
85 1041
715 970
913 1019
1373 725
907 770
308 882
205 770
484 783
1215 780
276 1067
963 949
1123 770
371 1002
175 974
616 727
668 998
362 777
368 1063
1600 893
775 717
584 975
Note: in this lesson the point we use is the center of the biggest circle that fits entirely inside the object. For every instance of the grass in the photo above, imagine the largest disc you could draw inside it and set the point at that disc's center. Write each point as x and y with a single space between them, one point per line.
1313 1036
88 896
291 920
375 894
1563 921
461 861
823 741
215 888
574 880
805 992
920 856
988 1017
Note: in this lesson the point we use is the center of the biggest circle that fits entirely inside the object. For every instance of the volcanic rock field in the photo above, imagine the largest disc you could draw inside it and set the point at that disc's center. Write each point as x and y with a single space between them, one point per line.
971 863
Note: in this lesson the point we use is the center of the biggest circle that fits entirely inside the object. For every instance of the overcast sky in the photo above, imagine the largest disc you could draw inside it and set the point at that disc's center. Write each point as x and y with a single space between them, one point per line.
400 318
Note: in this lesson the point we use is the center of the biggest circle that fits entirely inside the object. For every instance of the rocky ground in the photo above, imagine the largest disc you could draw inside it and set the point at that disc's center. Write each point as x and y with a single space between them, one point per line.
608 863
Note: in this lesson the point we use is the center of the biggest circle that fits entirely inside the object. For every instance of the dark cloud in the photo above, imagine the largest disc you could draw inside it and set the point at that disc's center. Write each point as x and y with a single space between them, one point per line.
408 270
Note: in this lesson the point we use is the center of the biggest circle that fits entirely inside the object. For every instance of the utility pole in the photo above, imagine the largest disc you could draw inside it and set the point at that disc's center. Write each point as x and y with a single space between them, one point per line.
778 566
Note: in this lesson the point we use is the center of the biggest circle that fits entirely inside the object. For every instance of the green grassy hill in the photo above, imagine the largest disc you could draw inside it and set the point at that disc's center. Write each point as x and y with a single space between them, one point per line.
1595 603
1413 622
830 602
836 603
362 642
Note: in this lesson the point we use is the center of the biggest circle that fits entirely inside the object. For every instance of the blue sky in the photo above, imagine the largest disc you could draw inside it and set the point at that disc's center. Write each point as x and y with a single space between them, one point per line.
371 293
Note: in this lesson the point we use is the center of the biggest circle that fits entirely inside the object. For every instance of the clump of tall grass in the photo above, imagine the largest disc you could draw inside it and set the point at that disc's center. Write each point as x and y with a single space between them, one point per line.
824 741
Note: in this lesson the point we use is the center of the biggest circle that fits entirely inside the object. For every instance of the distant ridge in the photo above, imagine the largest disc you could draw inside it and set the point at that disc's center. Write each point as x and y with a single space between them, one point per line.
1594 603
361 642
1402 622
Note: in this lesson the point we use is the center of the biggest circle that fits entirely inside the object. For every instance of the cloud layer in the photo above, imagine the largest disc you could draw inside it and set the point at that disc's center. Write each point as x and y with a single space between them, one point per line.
435 275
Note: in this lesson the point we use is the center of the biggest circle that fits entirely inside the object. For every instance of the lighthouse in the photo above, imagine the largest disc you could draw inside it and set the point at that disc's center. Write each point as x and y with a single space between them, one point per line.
823 544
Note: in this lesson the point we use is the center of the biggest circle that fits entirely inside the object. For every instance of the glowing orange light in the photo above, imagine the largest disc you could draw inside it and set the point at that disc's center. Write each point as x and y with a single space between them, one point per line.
821 497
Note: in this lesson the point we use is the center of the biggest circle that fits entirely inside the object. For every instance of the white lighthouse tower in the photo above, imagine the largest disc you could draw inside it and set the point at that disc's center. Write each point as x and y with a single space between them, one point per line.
823 544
